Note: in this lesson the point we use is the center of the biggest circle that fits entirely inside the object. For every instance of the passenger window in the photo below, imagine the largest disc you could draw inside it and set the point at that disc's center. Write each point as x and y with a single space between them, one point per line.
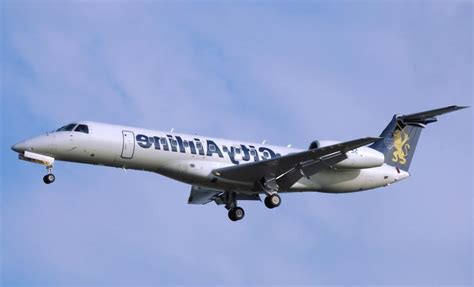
66 128
82 129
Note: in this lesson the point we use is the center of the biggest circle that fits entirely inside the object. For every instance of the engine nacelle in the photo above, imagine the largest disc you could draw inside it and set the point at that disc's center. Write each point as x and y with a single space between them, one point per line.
363 157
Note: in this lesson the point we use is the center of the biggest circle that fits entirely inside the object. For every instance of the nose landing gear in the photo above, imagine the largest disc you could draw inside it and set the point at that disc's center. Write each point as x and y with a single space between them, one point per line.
49 178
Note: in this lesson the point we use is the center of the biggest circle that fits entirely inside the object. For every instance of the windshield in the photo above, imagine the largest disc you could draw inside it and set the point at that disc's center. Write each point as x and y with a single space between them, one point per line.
67 128
82 129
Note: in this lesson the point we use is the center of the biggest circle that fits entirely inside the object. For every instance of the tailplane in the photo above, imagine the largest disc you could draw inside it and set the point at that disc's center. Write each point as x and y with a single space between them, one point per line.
398 140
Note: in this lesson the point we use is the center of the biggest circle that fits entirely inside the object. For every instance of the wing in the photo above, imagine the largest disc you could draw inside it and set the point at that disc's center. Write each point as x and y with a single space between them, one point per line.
287 170
201 195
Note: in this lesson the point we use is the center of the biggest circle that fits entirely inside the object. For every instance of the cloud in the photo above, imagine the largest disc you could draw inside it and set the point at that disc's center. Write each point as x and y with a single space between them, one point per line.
282 72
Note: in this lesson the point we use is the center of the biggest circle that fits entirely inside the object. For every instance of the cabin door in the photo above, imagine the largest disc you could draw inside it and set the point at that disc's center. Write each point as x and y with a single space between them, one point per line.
128 144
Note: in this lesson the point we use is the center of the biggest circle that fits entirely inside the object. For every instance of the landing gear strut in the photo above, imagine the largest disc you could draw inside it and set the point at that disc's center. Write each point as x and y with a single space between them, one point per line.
270 187
49 178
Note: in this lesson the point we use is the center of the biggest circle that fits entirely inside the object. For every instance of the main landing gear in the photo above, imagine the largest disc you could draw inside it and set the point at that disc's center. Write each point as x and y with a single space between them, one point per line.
235 212
272 200
49 178
270 187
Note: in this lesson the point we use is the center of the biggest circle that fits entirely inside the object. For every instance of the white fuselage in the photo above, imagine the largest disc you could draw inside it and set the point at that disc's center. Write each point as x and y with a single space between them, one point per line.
191 159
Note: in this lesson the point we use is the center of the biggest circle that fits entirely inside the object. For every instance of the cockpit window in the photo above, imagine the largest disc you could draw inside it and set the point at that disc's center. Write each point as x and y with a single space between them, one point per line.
82 129
66 128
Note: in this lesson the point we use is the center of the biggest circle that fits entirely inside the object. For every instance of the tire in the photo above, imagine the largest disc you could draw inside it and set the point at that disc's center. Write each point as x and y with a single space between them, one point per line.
267 202
272 201
236 213
49 178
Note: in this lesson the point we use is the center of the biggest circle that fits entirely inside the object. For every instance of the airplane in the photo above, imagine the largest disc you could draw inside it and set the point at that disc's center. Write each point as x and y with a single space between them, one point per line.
226 171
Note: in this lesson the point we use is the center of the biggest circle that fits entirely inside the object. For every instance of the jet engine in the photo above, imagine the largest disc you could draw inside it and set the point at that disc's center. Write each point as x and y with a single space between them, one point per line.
363 157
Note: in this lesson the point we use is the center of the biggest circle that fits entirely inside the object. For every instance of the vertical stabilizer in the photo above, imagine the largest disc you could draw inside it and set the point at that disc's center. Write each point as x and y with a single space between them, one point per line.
400 137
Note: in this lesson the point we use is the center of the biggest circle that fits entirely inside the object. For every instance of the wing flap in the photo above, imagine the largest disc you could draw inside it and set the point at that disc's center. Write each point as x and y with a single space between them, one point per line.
286 180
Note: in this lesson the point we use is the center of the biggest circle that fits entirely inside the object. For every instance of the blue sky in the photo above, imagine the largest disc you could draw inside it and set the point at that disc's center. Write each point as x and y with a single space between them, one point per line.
284 72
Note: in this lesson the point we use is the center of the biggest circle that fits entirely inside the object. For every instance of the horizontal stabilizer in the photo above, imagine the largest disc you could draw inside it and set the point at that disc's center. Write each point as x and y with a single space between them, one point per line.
427 117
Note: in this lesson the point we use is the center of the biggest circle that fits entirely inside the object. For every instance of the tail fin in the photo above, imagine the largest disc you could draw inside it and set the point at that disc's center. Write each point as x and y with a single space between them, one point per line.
398 140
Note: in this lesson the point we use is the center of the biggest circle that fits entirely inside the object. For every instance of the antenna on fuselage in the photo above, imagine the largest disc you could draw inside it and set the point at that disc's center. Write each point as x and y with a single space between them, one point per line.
172 130
264 141
289 145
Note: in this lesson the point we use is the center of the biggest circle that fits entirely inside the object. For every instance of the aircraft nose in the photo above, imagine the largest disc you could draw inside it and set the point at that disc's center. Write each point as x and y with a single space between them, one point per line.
19 147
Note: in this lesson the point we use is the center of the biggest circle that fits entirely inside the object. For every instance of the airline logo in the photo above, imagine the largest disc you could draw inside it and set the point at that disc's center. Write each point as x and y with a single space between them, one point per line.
401 145
235 153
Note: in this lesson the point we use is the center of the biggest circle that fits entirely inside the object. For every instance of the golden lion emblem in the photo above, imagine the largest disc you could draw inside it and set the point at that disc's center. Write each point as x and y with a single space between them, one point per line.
401 146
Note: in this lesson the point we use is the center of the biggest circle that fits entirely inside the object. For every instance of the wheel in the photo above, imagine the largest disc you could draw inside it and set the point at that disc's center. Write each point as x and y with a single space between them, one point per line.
49 178
236 213
272 201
